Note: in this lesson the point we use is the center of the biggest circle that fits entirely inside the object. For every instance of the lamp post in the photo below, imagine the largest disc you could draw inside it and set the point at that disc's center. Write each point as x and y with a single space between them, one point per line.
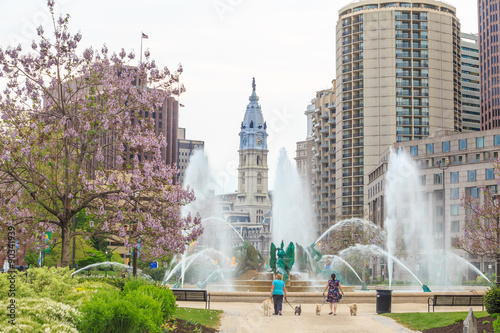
106 274
443 165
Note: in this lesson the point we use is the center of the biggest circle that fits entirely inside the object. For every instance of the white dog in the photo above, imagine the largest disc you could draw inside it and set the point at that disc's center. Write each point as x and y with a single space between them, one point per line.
318 309
268 308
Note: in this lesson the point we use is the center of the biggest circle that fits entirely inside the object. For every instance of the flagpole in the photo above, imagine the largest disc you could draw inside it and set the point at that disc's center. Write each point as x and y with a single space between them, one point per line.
140 61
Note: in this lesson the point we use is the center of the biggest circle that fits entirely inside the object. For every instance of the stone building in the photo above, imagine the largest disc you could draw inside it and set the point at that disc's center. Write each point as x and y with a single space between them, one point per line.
466 160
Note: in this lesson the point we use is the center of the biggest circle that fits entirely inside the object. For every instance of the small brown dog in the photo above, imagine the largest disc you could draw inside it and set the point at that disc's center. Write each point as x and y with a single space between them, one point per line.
268 308
318 309
353 309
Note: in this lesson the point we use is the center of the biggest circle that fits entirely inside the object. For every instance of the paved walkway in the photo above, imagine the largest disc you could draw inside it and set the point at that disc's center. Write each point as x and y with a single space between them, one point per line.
248 317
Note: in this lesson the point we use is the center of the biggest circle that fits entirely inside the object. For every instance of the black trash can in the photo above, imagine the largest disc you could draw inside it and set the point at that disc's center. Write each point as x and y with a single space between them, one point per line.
384 300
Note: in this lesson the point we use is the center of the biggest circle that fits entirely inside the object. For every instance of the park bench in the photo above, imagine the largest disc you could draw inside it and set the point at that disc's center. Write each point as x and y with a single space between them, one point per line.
454 300
193 295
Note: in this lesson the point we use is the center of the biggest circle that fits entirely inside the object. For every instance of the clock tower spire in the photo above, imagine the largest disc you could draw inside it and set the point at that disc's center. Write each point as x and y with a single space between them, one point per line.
253 189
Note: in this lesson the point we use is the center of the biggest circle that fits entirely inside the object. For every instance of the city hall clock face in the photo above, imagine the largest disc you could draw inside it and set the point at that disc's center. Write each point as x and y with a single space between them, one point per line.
259 141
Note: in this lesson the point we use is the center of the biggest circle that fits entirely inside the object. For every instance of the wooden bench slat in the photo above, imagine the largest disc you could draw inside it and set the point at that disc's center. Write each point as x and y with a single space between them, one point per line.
192 295
454 300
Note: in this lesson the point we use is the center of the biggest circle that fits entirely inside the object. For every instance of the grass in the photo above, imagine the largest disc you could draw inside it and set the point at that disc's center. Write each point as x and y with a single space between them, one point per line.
209 318
423 321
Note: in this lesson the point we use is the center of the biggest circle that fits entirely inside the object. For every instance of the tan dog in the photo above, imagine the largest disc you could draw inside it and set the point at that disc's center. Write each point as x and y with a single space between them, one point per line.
268 308
353 309
318 309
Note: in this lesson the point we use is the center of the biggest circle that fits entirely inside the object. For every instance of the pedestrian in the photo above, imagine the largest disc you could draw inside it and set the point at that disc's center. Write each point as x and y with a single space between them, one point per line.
278 291
334 290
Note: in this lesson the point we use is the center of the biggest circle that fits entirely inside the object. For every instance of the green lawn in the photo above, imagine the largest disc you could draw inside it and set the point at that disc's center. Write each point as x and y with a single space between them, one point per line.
209 318
423 321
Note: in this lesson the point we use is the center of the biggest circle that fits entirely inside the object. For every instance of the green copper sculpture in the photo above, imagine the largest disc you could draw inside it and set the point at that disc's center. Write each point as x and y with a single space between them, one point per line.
283 263
248 258
308 258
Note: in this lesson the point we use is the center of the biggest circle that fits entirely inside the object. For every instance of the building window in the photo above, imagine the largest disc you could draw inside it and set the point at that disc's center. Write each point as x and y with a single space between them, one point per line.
462 144
480 142
260 216
437 178
496 140
490 174
474 192
446 146
423 181
471 175
429 148
454 177
414 150
454 192
454 210
259 179
455 226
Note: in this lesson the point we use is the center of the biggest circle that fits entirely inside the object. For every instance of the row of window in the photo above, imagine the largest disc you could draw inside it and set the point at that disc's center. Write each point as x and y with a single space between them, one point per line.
446 145
455 176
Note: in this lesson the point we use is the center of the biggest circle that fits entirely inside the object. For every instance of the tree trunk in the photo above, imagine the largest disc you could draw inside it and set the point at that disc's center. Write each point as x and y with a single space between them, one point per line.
65 244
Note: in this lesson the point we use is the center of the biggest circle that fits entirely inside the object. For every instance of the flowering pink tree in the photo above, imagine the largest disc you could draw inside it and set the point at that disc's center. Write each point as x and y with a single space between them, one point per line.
482 225
68 144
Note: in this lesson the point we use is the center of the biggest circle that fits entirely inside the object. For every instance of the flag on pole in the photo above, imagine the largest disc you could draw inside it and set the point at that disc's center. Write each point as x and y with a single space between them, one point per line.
181 105
144 36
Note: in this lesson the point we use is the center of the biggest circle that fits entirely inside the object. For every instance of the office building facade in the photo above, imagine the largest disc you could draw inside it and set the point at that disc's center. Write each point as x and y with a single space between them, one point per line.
398 79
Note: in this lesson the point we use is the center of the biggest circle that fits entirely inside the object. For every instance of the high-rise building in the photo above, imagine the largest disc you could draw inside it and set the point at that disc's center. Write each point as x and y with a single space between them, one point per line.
186 148
398 79
469 55
489 63
323 159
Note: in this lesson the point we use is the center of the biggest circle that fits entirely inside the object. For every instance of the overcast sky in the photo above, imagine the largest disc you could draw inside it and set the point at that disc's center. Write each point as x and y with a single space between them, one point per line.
287 45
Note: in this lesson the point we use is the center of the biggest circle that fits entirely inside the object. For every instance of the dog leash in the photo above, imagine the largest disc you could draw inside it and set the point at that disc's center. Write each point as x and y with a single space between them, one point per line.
290 305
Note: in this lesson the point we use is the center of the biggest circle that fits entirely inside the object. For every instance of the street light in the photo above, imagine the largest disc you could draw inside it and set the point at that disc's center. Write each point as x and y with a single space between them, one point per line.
106 274
443 165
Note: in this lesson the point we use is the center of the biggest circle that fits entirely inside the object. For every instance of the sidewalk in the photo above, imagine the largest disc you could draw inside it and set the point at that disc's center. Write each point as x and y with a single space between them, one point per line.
248 317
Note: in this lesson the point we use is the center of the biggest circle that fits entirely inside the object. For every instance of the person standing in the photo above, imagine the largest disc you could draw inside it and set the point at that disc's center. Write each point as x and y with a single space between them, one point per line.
278 291
334 290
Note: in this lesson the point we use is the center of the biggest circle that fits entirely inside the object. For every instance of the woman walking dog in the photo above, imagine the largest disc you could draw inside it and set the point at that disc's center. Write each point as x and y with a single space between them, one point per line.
278 291
334 297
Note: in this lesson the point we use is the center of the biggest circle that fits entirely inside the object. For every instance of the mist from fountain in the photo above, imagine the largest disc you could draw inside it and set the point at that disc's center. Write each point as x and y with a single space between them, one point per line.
343 261
292 217
368 226
408 221
372 249
112 264
469 264
218 237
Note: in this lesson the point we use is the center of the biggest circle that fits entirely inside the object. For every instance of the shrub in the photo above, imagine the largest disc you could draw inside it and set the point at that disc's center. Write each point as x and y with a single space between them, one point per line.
40 315
496 323
492 300
164 296
115 282
157 274
110 311
134 283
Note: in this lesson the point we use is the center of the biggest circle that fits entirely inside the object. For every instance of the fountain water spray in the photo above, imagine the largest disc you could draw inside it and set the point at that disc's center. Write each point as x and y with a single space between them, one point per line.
292 218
